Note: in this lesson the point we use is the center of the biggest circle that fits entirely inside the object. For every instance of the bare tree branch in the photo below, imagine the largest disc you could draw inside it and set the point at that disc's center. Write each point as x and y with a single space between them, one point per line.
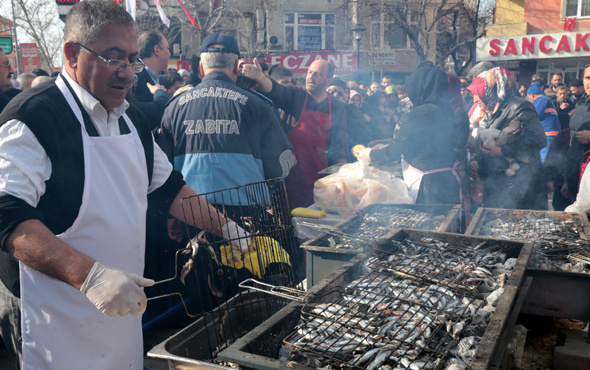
436 29
40 22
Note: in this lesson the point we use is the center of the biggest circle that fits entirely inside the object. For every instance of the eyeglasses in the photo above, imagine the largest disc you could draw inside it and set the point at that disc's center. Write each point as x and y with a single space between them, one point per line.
115 64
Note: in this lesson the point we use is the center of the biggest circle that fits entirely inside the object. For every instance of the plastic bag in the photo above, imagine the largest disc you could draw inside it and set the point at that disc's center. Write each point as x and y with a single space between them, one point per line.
356 185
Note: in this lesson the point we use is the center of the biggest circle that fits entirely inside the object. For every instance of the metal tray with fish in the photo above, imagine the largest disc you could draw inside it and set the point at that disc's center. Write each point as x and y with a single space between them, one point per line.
559 263
403 306
527 225
341 243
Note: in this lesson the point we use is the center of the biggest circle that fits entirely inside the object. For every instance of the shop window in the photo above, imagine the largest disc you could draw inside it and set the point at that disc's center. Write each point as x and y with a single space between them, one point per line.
395 37
577 8
386 34
309 31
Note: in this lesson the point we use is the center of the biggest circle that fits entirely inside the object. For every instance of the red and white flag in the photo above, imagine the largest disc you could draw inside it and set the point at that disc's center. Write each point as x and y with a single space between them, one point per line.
131 7
163 16
190 17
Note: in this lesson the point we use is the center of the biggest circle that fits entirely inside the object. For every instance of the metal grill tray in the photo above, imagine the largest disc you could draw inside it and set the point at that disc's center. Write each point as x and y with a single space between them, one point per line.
191 347
376 220
259 348
484 216
554 293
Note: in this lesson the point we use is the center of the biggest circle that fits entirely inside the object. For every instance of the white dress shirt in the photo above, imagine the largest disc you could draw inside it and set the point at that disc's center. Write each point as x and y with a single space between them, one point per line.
25 166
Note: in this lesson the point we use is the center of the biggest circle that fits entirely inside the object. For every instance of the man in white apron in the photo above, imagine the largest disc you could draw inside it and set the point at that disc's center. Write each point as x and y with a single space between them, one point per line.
76 167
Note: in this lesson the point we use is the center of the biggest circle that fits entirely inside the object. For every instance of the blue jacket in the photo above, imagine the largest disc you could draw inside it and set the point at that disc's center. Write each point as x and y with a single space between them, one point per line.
221 136
549 119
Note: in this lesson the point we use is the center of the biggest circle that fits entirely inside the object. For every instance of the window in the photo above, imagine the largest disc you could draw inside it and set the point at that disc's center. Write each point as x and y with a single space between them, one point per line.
577 8
385 34
309 31
572 70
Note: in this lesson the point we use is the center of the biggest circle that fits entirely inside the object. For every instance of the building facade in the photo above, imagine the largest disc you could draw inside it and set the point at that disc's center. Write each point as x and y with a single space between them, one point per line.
6 31
545 36
293 34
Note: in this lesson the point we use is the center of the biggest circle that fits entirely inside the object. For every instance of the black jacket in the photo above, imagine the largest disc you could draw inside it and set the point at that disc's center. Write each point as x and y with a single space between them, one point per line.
563 114
426 137
579 121
142 92
4 99
526 189
356 126
193 80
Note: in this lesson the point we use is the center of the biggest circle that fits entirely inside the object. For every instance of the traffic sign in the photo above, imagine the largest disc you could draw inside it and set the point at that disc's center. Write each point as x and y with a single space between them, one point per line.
6 44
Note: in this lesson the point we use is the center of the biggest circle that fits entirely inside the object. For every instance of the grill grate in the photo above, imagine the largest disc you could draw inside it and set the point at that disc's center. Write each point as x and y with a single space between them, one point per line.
555 238
531 227
410 310
375 221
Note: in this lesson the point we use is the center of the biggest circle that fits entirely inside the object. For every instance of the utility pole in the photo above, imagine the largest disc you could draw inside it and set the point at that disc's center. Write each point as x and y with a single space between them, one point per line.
16 44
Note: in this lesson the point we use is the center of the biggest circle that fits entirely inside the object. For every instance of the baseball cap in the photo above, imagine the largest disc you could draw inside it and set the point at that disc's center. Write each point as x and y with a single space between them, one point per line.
228 44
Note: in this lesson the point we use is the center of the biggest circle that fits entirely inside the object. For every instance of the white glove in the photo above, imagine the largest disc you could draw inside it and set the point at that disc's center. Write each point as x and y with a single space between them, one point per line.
115 292
236 235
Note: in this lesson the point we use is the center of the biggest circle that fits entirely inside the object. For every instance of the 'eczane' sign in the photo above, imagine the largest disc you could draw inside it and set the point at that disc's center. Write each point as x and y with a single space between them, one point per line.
299 63
550 45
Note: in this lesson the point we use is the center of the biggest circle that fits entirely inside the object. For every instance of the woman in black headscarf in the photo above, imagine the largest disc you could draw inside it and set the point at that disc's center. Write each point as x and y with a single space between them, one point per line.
424 140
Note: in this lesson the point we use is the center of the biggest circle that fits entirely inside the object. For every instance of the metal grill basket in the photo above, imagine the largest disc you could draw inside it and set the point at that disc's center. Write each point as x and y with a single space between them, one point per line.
209 290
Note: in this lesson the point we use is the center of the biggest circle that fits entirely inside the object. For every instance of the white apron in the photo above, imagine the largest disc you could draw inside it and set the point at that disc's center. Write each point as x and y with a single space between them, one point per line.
61 328
413 177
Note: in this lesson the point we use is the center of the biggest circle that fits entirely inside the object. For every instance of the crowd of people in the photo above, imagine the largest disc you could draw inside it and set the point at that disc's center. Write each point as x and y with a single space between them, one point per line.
98 156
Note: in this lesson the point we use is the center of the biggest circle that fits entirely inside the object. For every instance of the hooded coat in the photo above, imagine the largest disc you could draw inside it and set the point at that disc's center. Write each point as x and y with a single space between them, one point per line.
526 189
515 179
426 136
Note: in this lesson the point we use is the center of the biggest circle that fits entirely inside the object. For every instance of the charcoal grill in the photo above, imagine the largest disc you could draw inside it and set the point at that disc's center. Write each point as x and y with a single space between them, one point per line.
528 225
209 291
556 290
357 311
330 250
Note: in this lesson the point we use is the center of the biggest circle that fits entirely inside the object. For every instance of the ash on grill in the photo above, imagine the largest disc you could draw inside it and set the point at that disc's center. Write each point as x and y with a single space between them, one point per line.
558 244
422 305
376 224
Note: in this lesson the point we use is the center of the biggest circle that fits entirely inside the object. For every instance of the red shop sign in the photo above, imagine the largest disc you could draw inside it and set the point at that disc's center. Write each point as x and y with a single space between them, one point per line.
299 63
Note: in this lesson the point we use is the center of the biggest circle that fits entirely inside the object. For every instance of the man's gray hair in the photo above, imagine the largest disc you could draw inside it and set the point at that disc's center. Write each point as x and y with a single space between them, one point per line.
218 60
87 19
561 87
23 76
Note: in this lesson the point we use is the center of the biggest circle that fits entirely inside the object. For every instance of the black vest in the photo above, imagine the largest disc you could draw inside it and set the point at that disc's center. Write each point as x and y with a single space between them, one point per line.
48 115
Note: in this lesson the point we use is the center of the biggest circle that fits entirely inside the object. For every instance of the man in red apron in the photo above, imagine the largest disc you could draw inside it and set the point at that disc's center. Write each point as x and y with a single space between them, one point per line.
77 165
319 137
